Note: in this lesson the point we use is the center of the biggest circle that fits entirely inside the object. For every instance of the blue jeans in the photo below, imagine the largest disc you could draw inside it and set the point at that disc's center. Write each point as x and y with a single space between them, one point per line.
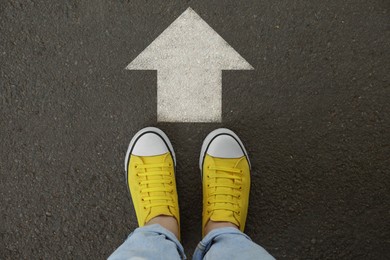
155 242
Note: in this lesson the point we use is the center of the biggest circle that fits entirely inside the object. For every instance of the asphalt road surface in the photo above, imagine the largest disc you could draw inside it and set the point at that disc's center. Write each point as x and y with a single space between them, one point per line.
314 115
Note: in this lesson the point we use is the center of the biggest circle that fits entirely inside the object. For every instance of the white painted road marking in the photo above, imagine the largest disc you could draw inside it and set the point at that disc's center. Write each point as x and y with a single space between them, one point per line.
189 57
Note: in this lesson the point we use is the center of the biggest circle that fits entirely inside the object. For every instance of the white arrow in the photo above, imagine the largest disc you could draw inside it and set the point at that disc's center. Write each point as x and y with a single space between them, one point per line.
189 57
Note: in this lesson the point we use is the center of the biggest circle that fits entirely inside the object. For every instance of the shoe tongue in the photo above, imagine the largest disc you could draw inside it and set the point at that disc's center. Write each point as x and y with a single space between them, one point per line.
159 210
224 215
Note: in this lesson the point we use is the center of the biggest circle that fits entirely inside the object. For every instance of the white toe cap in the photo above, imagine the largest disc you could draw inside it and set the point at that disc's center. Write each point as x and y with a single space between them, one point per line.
149 144
225 146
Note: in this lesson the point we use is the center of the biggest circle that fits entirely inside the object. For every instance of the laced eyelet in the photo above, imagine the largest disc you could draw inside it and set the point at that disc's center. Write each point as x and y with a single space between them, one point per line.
136 166
144 207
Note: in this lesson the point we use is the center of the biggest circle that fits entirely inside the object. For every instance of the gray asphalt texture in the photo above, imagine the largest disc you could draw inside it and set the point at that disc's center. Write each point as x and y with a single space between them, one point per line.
314 116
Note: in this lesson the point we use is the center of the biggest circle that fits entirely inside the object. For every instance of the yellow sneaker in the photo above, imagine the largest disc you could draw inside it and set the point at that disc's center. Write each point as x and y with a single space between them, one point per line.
225 169
150 175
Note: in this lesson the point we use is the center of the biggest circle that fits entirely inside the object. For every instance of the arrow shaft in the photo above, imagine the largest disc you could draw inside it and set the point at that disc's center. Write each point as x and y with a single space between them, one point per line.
189 95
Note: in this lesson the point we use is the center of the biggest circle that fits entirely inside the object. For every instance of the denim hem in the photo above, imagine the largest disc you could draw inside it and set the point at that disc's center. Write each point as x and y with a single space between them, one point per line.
207 241
156 228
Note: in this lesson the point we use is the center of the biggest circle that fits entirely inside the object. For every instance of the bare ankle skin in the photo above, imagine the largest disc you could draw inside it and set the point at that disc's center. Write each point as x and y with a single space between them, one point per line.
167 222
216 224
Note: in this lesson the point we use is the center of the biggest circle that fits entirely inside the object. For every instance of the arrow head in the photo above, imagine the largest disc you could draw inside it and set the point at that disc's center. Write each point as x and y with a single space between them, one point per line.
189 42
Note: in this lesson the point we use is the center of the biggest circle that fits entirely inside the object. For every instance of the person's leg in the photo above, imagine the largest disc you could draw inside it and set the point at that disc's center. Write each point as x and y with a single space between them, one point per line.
150 242
150 176
229 243
225 170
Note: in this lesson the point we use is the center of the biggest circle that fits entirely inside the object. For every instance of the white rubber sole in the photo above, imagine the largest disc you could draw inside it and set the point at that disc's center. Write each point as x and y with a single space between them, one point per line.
144 131
210 137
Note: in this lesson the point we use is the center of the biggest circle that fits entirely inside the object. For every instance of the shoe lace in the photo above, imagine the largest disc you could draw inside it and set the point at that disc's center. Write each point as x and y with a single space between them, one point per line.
156 185
227 182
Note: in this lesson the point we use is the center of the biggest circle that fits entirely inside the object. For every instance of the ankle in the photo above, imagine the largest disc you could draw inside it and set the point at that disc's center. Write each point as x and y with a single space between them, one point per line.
211 225
167 222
